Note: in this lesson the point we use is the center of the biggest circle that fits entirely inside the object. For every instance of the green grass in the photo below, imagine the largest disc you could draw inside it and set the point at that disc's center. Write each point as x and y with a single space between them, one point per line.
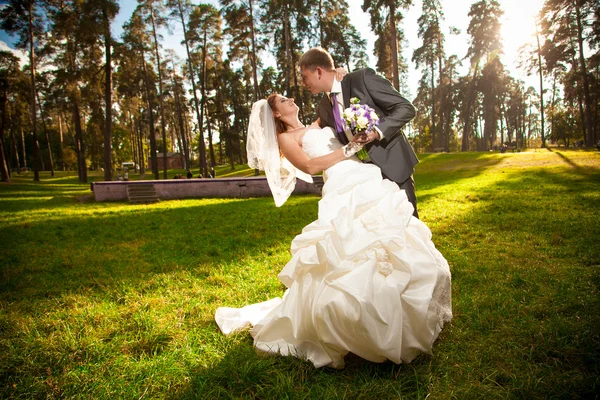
111 300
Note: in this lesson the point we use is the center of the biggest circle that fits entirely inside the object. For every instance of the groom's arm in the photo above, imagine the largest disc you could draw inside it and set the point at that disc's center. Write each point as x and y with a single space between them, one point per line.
397 111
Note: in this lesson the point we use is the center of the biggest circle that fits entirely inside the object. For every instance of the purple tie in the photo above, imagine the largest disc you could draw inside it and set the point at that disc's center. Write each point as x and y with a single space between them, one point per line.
339 124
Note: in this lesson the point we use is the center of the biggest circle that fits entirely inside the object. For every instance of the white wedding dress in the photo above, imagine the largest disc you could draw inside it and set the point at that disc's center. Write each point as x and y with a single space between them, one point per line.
364 277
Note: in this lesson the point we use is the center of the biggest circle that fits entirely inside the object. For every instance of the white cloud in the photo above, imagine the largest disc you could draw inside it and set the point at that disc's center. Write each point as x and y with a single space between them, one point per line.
22 56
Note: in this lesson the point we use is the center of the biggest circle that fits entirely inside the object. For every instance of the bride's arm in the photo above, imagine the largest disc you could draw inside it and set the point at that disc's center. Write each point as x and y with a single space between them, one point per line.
294 153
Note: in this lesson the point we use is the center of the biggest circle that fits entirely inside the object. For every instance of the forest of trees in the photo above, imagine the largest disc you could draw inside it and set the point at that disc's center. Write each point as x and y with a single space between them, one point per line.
86 100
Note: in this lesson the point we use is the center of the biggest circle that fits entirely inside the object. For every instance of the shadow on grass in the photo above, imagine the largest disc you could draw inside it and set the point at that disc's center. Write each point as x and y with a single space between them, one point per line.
47 257
439 170
578 168
457 161
242 373
526 278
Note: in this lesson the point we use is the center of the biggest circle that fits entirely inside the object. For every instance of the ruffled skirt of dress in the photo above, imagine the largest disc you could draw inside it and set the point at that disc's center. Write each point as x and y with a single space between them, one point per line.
364 277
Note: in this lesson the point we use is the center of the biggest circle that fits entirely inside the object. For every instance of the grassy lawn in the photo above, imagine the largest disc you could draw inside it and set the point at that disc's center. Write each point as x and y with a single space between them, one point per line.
111 300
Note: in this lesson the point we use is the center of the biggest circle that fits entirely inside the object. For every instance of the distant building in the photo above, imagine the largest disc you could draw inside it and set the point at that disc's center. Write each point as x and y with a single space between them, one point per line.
174 160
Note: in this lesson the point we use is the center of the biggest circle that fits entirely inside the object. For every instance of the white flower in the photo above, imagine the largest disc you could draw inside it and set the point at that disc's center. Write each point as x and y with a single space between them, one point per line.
362 122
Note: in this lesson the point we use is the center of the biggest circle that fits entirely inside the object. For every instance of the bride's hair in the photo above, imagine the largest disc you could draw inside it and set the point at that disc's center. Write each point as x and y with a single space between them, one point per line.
279 125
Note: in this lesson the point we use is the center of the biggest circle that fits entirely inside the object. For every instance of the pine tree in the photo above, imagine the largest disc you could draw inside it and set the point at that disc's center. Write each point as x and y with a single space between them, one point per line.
386 28
430 56
9 64
338 35
204 35
98 15
23 17
153 12
565 24
485 45
137 42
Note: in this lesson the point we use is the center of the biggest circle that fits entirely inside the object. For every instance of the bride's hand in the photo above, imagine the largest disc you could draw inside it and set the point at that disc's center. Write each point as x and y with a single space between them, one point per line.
340 73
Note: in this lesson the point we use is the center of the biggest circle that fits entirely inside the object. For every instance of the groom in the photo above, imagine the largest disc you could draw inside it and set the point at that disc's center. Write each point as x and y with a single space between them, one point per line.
387 146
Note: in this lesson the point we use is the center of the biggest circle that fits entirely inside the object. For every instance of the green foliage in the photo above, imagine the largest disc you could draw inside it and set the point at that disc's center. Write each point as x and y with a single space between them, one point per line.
111 300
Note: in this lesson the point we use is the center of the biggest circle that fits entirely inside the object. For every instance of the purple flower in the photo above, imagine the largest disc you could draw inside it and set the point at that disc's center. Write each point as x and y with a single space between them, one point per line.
360 117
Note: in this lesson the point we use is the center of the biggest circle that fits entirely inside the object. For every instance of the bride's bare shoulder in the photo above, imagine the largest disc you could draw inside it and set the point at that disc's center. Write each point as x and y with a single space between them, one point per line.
295 136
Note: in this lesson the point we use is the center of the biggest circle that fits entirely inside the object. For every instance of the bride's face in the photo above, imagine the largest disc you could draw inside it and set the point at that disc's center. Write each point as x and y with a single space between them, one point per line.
285 107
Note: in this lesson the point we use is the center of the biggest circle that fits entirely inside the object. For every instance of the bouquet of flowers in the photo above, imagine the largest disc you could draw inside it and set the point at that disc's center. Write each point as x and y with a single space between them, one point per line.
360 118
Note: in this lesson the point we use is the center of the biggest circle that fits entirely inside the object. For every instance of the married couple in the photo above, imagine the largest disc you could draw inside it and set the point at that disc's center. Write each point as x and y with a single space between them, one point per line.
364 277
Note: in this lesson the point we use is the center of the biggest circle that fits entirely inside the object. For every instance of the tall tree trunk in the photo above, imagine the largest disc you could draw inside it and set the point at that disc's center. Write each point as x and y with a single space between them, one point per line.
107 99
177 140
442 94
241 152
160 95
15 146
575 65
210 141
153 157
230 153
320 16
220 142
46 134
6 147
255 91
529 115
61 141
288 51
140 144
394 43
188 135
553 104
191 68
501 107
36 148
4 175
537 36
296 92
589 138
133 141
186 153
79 143
433 132
202 148
23 148
470 100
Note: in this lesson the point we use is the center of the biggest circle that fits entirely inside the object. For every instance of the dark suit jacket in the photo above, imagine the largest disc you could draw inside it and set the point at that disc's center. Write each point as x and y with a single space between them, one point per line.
393 154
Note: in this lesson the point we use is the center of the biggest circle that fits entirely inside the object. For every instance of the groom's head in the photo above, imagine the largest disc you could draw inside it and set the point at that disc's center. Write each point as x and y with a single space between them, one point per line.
317 70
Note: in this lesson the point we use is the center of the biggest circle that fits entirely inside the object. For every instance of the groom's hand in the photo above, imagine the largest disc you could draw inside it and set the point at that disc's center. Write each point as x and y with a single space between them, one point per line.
368 137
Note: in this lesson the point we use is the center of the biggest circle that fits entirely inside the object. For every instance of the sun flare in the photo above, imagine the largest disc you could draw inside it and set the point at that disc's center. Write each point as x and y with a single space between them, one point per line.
518 22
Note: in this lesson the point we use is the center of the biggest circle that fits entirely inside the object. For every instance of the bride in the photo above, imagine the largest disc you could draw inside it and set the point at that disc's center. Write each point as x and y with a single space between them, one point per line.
364 277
